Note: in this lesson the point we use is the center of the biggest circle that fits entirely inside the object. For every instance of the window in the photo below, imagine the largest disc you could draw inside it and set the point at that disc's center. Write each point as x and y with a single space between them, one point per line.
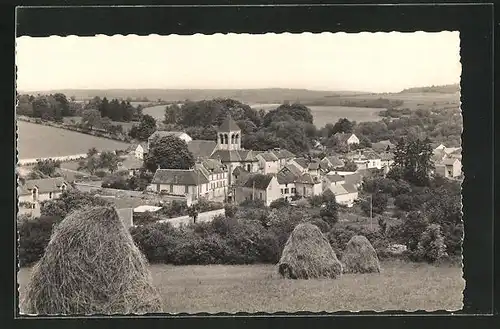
249 167
63 187
171 188
294 190
260 195
286 191
304 190
282 191
186 189
50 195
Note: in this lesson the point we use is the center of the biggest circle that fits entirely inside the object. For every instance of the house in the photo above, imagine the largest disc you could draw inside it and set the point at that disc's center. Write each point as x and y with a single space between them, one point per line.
161 133
202 149
355 179
259 187
347 139
217 175
345 194
141 150
308 185
366 159
34 191
331 162
453 152
287 177
332 179
283 155
314 167
268 163
131 164
449 168
189 183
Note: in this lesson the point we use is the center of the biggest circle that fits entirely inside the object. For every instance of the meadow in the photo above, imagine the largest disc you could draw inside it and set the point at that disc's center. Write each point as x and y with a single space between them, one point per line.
35 141
321 114
258 288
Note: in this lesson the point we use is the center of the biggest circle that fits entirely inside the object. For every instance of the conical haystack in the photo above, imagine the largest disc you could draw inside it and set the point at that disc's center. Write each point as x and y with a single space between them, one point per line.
308 255
360 256
91 266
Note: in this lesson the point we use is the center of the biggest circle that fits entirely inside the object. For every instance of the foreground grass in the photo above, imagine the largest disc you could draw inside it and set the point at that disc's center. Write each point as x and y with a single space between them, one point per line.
258 288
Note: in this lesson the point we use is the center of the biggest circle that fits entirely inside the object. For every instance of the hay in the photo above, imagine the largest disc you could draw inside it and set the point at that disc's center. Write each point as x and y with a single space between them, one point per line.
308 255
91 266
360 256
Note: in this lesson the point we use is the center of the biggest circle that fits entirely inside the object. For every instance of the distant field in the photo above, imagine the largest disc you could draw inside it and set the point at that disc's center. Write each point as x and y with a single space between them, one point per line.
321 114
36 141
254 288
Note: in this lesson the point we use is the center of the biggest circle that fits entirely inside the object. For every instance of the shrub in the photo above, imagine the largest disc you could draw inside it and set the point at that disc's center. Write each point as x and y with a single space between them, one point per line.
279 203
378 204
323 226
330 212
253 204
230 210
34 235
339 236
100 173
431 245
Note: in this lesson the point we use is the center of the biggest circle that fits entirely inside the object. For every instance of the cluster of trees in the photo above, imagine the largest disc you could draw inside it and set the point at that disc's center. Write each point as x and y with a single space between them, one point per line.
107 160
412 161
145 128
123 181
115 109
53 107
168 152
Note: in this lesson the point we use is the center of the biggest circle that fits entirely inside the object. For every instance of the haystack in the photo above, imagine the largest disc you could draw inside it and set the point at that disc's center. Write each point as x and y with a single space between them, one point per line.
360 256
91 266
308 255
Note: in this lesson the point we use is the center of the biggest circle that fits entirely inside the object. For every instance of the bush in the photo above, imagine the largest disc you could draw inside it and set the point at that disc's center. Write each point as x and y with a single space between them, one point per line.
321 224
230 210
339 236
100 173
431 245
34 235
253 204
279 203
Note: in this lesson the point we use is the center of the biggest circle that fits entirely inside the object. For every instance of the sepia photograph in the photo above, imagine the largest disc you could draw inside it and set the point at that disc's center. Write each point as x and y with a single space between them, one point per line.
277 172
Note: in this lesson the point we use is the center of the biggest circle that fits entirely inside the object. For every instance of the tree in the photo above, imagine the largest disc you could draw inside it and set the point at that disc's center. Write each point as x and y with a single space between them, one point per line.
378 204
92 151
47 167
297 112
329 209
172 114
108 160
168 152
412 161
279 203
91 164
91 118
146 128
343 125
431 246
349 165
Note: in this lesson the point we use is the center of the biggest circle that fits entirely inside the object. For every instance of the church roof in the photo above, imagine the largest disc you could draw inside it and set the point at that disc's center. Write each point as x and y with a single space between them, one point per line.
229 125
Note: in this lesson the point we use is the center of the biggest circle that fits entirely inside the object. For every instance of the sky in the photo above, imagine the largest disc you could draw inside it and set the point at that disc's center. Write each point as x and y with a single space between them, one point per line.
375 62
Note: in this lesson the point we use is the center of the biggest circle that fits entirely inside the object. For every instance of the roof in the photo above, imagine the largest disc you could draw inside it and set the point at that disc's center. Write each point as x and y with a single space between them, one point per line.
179 177
248 155
382 145
287 176
343 137
213 166
229 124
44 185
313 165
353 179
269 156
371 155
144 146
301 162
449 161
334 178
450 150
163 133
350 188
258 181
308 179
283 154
294 169
226 156
131 162
202 148
241 176
333 161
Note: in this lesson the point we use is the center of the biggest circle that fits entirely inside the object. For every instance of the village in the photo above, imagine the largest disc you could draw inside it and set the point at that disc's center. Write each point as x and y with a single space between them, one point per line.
227 173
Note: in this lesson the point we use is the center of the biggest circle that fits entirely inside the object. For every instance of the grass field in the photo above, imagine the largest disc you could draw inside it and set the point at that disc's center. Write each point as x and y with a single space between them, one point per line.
35 140
255 288
321 114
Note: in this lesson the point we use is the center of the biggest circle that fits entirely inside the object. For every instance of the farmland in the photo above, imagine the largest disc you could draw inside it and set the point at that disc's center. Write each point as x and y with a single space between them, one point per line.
321 114
254 288
35 141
